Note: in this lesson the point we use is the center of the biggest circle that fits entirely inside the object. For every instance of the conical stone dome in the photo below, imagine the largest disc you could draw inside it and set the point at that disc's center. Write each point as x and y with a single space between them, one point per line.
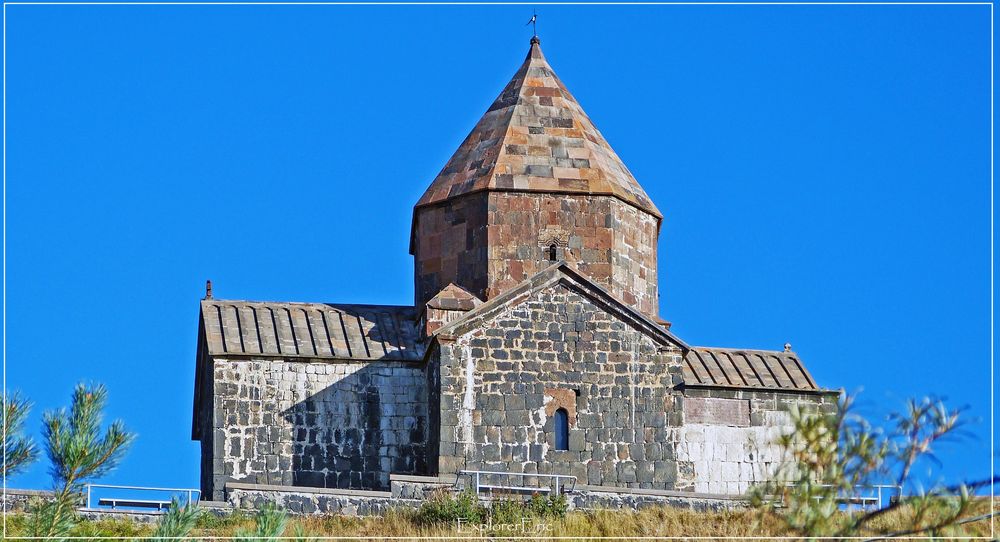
535 137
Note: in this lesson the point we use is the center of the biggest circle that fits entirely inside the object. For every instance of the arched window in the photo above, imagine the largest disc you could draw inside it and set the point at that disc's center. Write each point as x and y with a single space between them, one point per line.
562 429
553 252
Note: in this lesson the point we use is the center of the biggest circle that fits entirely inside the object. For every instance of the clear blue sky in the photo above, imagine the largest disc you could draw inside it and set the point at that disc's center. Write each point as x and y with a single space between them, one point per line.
824 172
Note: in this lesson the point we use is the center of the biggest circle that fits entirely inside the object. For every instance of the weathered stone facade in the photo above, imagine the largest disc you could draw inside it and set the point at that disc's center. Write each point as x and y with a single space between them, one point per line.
498 378
611 242
335 425
449 245
488 244
536 301
728 440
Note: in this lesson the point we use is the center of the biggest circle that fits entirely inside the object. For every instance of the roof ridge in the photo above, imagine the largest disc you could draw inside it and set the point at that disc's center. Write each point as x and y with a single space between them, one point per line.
216 300
735 349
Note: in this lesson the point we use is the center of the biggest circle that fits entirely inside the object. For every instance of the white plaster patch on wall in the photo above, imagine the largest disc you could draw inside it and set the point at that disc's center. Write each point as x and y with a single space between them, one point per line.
778 421
540 420
729 460
465 435
237 445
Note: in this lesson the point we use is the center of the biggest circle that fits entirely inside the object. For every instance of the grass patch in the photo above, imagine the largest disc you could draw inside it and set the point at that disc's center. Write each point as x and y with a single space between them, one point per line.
440 519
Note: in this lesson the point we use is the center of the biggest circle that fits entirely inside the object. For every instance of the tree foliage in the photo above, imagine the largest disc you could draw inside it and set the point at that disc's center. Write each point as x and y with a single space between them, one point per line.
79 451
831 459
19 449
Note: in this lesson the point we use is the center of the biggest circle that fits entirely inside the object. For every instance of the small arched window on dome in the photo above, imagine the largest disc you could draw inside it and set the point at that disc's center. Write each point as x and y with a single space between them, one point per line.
553 252
562 429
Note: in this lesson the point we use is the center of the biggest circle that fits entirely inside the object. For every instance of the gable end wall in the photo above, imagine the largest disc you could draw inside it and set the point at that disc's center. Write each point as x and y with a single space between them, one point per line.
496 381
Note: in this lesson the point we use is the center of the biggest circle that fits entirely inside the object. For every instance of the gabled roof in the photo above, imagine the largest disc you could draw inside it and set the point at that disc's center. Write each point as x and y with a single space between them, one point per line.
454 298
310 330
536 138
553 274
735 368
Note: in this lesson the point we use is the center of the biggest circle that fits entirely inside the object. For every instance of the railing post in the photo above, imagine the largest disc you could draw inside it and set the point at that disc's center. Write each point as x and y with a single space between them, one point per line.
477 483
88 495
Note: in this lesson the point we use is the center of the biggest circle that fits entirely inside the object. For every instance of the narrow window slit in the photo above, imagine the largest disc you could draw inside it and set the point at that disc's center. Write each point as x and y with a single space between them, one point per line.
562 429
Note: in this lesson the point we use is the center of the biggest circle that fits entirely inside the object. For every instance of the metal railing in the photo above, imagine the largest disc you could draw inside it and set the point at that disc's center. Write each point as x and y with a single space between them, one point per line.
561 483
876 492
867 496
193 496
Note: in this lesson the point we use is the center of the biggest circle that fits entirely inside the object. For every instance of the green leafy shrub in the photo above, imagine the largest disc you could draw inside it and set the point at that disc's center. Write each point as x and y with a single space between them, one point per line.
506 510
547 506
445 507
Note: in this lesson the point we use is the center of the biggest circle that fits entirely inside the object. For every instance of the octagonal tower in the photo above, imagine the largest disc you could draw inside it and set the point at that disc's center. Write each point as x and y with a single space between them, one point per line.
535 182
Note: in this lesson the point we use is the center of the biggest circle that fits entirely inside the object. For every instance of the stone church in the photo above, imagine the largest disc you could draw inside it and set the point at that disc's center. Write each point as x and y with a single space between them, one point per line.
534 343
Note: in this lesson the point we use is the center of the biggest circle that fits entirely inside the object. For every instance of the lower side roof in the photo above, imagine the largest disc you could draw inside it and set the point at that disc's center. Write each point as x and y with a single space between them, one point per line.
310 330
736 368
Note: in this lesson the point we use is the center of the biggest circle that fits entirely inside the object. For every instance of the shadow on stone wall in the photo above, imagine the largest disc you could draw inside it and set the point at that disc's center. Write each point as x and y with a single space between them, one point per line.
356 431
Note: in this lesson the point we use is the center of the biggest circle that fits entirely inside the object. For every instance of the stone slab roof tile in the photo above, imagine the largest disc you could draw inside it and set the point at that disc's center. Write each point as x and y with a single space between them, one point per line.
757 369
310 330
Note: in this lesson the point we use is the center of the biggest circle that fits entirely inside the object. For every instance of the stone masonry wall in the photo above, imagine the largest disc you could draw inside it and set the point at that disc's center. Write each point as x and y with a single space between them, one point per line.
449 245
633 258
489 243
22 500
610 500
334 425
609 241
727 443
412 493
496 382
315 501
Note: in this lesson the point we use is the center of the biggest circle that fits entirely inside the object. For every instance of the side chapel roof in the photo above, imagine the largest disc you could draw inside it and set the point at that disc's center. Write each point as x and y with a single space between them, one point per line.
310 330
736 368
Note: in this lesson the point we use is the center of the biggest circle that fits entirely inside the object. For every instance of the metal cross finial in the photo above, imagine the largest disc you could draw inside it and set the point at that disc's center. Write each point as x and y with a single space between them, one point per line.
534 23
